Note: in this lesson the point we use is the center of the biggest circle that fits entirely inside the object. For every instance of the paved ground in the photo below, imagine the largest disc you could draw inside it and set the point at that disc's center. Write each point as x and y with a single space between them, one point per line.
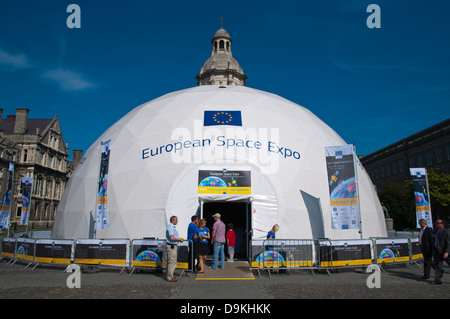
18 282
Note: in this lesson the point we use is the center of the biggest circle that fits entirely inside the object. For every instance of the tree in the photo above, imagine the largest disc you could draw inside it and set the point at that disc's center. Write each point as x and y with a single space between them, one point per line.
399 200
439 186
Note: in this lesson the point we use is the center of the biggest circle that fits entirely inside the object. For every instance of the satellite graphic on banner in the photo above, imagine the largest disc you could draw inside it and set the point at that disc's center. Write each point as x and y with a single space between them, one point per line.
342 187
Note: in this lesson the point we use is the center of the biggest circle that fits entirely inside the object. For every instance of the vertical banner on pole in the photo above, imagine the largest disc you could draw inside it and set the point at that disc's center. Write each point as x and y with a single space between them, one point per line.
422 195
343 188
26 186
6 207
102 195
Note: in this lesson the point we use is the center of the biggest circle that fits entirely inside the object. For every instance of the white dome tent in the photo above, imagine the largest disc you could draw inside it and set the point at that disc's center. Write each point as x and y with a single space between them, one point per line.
160 150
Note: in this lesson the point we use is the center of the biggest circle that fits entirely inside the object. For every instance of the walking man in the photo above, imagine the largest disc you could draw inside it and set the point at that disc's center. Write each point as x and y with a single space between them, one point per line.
218 239
172 239
441 250
426 243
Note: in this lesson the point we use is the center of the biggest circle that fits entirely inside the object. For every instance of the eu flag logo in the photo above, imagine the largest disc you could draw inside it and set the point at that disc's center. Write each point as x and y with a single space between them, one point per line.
222 118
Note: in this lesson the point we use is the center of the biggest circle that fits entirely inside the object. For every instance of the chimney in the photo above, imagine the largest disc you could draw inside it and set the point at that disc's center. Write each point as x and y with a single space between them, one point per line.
1 112
76 157
20 125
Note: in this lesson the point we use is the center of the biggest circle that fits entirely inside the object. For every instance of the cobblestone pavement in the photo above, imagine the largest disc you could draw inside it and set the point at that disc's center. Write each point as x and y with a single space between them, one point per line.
18 282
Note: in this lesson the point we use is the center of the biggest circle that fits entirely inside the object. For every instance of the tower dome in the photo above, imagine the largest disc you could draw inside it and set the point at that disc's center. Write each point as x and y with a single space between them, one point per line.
221 68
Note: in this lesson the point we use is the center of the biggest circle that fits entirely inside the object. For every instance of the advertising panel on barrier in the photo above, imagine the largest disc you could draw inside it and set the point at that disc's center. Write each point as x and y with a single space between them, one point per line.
25 248
101 251
184 255
392 250
53 251
148 253
416 250
341 253
8 247
289 253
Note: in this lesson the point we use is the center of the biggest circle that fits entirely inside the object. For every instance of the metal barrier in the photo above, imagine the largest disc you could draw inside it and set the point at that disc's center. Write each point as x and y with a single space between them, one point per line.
388 251
25 249
265 254
151 254
102 252
54 252
276 254
344 253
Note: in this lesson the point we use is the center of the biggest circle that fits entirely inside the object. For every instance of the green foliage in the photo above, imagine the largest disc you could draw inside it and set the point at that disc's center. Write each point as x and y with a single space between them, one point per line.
439 185
399 199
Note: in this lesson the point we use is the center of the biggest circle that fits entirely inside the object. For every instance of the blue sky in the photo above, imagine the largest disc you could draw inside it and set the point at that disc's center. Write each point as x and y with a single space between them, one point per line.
372 86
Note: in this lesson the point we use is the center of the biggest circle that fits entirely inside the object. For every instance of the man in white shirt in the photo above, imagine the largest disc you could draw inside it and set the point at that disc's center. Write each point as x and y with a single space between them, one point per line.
172 239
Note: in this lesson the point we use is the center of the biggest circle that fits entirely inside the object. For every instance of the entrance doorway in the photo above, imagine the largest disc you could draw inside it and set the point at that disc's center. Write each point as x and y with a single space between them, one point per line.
239 214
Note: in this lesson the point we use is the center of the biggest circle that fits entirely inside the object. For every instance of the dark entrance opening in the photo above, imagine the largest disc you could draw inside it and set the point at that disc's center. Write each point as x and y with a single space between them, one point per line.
239 214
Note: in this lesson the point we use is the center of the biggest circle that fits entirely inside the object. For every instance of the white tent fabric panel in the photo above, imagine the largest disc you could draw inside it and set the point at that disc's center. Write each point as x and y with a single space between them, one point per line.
149 180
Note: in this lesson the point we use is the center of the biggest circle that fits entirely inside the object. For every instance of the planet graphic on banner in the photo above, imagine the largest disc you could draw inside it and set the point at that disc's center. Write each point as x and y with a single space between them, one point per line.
21 251
148 255
387 253
346 189
269 255
213 181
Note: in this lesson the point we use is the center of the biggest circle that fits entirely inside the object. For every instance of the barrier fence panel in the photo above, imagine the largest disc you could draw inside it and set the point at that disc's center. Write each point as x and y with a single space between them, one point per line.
416 250
345 253
392 250
283 254
25 248
54 251
111 252
257 248
148 253
185 256
8 247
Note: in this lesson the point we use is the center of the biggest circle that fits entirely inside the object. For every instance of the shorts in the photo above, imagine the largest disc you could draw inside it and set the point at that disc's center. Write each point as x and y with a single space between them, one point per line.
230 250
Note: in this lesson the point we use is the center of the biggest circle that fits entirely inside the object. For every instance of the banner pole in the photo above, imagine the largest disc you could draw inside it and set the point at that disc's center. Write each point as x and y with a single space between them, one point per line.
357 189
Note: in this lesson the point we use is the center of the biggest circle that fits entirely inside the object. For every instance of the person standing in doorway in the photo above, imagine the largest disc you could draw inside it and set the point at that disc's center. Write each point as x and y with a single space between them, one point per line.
218 240
231 241
172 239
426 243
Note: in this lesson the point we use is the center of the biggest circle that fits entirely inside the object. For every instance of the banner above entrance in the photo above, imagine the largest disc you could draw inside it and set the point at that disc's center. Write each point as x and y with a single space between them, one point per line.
216 181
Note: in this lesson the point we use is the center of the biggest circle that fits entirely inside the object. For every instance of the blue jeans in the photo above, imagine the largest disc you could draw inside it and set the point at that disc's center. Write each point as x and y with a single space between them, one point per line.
219 247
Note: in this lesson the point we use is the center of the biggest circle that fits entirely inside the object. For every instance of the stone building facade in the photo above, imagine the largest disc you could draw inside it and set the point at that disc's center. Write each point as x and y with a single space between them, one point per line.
429 148
37 149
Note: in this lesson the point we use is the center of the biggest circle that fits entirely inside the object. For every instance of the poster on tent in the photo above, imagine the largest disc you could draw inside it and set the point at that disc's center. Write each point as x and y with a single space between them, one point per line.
6 206
342 187
421 195
223 181
102 190
26 186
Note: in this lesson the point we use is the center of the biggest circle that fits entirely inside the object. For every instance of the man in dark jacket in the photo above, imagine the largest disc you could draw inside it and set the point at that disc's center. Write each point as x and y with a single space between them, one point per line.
426 242
441 250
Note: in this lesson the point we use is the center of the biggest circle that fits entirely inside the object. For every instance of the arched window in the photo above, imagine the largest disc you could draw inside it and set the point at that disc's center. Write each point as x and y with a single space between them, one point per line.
221 44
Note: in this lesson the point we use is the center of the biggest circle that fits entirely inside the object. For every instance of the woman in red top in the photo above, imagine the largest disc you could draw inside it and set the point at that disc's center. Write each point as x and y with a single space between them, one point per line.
231 240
